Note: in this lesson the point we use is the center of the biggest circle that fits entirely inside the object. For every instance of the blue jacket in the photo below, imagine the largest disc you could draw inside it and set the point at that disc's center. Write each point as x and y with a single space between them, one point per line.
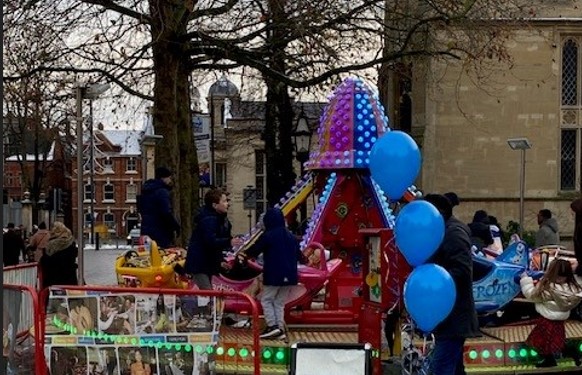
157 218
280 251
211 236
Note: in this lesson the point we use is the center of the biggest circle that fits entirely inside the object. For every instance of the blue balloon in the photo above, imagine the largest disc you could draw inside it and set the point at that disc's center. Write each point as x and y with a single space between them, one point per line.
419 231
429 295
395 163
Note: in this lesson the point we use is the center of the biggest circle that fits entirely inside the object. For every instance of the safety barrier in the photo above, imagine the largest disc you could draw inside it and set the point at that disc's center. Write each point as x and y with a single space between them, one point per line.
35 311
27 274
160 346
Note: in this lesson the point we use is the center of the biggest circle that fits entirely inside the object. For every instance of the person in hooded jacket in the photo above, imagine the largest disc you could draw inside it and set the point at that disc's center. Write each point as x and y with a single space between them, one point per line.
281 253
548 233
155 207
576 207
555 295
454 255
210 238
58 262
480 231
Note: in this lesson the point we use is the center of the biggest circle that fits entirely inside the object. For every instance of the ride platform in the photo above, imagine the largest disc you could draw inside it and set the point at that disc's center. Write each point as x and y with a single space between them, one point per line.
501 350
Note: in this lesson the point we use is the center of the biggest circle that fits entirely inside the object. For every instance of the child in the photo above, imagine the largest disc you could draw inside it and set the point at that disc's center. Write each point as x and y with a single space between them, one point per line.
555 295
280 256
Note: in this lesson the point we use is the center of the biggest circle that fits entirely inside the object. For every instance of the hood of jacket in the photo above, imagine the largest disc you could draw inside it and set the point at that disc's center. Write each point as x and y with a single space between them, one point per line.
274 219
152 185
551 223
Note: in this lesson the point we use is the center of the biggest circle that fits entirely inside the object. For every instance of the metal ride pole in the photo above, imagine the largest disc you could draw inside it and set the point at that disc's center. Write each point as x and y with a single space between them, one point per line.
79 97
92 171
212 180
521 193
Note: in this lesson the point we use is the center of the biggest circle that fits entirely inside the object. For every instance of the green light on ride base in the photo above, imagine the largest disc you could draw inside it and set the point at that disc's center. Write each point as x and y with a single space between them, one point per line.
244 352
486 354
220 350
280 355
580 347
499 353
210 349
198 349
267 354
231 352
511 353
533 353
523 353
188 348
473 354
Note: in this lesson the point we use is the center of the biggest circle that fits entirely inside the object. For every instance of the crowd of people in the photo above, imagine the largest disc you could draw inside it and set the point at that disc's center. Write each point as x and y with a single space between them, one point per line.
554 296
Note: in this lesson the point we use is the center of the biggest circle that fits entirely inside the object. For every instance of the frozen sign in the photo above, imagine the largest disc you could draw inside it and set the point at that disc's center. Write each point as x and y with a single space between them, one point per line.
201 129
102 333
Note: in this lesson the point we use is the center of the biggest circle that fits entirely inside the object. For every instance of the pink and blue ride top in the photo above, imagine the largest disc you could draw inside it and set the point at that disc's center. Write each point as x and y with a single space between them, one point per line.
349 126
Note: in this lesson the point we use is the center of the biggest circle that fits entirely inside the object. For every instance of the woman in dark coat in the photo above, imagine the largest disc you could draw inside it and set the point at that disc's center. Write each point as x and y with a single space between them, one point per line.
58 262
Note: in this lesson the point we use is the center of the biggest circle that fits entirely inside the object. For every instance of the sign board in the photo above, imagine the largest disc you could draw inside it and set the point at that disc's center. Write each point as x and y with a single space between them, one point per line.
249 198
201 129
95 332
336 359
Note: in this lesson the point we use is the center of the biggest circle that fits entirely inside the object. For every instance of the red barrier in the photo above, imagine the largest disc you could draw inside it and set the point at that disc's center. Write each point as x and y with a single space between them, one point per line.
44 294
40 367
26 274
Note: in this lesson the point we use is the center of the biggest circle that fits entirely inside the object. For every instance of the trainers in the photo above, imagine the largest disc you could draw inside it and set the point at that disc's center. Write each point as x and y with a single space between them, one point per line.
271 332
282 336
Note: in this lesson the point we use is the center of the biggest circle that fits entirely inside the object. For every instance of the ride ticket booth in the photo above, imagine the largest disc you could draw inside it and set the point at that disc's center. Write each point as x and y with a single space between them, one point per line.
384 272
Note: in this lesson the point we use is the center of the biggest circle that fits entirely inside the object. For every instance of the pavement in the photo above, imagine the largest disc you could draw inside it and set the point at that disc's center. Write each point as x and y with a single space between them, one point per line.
99 265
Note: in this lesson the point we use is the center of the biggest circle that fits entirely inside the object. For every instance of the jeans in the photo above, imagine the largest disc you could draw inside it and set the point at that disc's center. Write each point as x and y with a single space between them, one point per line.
273 302
203 281
447 357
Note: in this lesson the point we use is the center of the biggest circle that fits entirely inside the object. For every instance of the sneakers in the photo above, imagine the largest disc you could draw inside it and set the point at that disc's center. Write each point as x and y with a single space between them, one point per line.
272 333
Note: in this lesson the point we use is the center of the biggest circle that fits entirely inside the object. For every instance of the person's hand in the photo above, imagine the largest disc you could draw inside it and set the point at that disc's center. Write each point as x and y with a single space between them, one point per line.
523 274
237 241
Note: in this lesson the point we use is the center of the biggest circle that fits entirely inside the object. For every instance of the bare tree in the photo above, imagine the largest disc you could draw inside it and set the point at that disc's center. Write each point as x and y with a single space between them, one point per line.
149 49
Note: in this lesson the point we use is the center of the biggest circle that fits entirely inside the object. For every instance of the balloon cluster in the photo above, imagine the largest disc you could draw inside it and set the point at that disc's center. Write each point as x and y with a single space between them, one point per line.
429 291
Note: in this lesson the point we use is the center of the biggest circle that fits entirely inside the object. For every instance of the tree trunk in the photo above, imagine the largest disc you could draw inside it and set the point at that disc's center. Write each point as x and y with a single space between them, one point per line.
171 112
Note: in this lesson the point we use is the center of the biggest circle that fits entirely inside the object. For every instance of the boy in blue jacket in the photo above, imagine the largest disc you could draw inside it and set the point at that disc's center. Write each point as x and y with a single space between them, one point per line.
281 253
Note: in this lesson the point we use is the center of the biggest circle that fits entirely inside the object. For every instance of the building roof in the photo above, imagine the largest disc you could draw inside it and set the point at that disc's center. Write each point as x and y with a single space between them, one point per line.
31 157
223 87
128 140
246 110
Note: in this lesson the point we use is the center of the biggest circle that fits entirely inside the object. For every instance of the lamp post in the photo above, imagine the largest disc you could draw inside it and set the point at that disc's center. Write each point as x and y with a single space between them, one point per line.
90 92
302 142
521 144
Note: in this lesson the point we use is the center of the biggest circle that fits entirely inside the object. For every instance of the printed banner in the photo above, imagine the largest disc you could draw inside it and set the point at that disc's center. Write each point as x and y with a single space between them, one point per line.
201 128
131 334
11 319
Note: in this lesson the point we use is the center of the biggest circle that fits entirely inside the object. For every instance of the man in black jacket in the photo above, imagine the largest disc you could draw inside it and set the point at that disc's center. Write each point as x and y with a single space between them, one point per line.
454 255
13 245
155 207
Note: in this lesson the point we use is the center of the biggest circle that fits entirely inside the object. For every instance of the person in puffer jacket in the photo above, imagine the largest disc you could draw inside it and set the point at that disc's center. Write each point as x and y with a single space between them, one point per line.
556 294
548 233
281 253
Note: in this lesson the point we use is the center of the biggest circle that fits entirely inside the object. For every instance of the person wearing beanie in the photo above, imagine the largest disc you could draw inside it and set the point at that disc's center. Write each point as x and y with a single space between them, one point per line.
453 198
576 207
454 255
155 207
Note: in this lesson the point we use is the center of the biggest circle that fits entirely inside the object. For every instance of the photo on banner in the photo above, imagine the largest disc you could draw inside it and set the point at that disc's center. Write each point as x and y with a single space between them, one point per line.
201 129
125 334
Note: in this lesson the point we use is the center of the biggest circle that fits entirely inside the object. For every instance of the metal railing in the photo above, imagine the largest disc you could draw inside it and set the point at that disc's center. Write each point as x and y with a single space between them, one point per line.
27 274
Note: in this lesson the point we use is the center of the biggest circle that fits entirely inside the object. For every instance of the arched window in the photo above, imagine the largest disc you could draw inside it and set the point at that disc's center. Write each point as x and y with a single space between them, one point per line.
570 116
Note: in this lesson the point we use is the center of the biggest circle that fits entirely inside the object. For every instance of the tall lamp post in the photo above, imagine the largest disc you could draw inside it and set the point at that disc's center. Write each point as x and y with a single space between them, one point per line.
90 92
302 142
521 144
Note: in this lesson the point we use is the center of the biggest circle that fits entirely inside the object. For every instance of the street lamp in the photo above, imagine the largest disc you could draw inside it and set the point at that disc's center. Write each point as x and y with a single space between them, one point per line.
302 142
521 144
90 92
